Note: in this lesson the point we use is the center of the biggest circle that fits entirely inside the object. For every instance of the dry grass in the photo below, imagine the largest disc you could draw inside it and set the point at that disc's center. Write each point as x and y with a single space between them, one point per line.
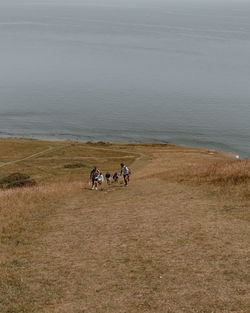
49 166
222 172
20 205
193 166
230 177
175 241
229 172
12 149
23 213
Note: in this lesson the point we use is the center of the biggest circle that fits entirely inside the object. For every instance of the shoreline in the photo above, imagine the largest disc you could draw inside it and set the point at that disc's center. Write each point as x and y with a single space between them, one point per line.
58 140
234 141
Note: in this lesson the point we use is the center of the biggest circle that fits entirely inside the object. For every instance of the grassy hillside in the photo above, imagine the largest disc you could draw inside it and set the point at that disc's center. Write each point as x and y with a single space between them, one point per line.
175 240
46 161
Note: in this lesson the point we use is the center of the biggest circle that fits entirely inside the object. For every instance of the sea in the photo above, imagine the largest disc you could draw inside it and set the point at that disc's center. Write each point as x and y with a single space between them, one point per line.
175 71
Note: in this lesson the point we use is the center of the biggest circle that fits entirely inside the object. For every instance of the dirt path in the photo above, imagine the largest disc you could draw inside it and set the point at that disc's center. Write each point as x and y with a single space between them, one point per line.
29 157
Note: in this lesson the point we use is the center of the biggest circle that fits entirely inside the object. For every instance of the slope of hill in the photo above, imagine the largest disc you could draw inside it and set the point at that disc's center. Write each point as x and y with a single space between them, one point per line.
175 240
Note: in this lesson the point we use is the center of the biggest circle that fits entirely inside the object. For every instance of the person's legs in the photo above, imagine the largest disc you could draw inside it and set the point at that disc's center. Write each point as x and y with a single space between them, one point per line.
125 180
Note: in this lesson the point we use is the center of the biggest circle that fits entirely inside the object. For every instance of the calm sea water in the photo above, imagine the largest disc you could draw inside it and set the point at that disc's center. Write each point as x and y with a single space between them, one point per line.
123 70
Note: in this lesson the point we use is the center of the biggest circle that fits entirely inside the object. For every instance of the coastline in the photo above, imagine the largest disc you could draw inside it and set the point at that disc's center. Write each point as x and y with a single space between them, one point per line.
46 160
57 139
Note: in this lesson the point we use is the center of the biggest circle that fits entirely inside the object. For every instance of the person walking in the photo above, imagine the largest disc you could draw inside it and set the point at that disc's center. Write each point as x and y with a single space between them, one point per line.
115 177
94 177
125 173
107 176
100 179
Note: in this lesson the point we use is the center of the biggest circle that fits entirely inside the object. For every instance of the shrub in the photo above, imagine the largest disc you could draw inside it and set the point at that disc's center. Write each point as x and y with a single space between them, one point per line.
16 180
75 165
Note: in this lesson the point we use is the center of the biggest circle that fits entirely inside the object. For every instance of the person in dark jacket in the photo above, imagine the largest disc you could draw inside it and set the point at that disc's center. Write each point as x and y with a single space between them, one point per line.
94 177
107 176
115 177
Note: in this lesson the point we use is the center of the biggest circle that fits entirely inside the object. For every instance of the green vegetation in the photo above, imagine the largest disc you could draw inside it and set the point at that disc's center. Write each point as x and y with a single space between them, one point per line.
16 180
